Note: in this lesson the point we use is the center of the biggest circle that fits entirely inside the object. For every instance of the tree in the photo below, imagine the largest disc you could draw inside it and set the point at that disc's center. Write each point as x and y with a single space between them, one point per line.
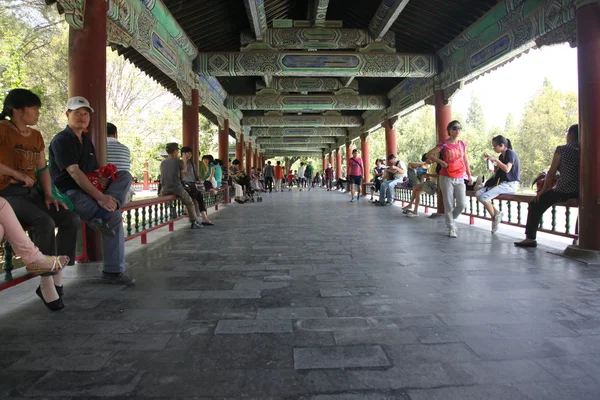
547 116
477 137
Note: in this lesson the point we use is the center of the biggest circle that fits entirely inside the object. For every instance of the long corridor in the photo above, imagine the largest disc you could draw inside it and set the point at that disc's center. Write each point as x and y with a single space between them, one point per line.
308 296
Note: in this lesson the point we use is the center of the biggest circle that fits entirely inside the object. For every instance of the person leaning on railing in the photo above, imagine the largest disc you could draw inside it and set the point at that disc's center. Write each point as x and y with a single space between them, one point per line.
506 178
566 162
239 180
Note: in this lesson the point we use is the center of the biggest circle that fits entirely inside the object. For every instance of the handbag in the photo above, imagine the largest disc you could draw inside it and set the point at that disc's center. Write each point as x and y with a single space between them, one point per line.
108 171
56 194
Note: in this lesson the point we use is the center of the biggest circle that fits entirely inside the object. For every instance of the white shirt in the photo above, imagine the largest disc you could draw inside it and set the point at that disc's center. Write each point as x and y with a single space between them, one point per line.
118 154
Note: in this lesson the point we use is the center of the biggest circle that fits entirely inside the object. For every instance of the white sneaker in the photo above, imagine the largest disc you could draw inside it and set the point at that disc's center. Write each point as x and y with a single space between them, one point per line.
452 233
410 214
496 221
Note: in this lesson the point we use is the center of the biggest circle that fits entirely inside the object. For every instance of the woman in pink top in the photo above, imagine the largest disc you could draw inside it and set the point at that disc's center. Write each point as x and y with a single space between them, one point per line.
451 155
355 175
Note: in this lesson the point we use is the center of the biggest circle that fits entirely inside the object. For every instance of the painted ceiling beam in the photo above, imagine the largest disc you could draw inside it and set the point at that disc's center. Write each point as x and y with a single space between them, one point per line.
331 121
385 16
300 85
300 103
296 140
320 12
321 64
286 146
315 38
298 131
257 17
288 153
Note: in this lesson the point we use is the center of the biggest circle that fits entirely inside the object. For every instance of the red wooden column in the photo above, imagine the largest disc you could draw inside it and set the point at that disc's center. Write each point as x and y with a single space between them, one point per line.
249 158
348 156
338 163
443 116
364 147
191 125
87 78
588 61
239 148
331 159
256 160
224 145
324 162
390 138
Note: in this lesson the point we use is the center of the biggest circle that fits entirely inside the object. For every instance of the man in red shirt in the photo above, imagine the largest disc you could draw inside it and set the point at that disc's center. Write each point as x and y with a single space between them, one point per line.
278 176
355 175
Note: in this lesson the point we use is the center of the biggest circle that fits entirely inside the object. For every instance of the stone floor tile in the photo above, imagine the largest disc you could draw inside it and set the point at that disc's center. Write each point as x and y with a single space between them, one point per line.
292 313
332 324
576 389
257 326
469 393
128 341
79 360
501 372
358 356
379 336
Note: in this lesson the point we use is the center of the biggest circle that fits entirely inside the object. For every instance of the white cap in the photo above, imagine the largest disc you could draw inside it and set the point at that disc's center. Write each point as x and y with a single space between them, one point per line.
77 102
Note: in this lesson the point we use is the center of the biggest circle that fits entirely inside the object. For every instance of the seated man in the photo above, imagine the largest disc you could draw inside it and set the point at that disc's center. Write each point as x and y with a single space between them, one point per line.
72 156
429 186
172 172
118 154
396 172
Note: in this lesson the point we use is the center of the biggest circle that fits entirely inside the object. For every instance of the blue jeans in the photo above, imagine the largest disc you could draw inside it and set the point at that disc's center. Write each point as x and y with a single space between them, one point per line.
387 190
113 248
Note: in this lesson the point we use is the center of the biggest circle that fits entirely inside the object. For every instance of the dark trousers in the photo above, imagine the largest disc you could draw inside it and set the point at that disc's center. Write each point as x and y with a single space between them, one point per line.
31 211
538 208
195 194
269 183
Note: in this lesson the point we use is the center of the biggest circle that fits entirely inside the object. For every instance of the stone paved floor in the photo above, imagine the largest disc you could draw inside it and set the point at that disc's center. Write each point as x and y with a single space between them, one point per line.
314 297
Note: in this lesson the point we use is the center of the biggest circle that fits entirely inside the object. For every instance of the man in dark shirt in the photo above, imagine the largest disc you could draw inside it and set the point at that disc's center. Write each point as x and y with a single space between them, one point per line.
72 156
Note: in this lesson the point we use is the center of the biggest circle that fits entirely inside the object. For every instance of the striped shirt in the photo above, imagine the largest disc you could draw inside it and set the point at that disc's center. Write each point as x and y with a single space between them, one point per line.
118 154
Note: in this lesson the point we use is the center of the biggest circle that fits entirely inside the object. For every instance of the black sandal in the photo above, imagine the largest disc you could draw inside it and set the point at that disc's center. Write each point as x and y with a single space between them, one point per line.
56 305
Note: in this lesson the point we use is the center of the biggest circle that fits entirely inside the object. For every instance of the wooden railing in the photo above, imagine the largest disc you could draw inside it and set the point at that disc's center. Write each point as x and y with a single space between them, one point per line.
139 218
560 219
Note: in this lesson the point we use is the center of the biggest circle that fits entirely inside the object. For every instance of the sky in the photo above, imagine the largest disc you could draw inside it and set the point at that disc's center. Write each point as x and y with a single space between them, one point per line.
507 89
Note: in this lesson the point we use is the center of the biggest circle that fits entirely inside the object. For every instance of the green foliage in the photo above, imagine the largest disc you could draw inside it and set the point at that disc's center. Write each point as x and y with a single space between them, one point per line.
416 134
546 119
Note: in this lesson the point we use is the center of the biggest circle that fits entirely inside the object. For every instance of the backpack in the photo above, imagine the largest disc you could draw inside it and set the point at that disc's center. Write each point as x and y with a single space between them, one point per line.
307 173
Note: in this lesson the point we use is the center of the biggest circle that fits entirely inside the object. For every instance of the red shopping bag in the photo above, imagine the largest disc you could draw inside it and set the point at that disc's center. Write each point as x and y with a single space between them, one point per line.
108 171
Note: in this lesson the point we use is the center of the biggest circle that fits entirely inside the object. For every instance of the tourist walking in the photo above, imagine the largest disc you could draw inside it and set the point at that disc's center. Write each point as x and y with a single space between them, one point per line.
309 175
355 175
328 177
451 154
300 176
506 178
278 176
269 173
395 174
566 163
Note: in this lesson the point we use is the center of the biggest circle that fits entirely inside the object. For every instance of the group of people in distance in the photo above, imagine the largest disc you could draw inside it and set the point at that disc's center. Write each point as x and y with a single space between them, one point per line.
52 199
447 166
180 177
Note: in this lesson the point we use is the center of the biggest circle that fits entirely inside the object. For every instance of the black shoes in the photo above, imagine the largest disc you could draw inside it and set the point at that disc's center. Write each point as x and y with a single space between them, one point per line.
55 305
101 227
118 278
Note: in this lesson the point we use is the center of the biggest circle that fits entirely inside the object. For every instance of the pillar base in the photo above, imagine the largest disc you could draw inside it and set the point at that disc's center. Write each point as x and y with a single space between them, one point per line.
589 257
436 215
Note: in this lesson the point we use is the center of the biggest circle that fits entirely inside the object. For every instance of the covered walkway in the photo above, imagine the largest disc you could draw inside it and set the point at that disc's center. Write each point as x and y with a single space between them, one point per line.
314 297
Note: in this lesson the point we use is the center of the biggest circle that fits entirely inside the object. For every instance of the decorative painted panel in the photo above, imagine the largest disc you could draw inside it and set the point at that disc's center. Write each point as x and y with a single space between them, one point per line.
256 17
384 18
296 85
317 38
303 121
306 140
507 30
298 131
408 93
299 103
317 64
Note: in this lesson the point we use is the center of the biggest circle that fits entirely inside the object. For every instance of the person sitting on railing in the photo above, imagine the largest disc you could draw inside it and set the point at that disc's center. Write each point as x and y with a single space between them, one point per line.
506 178
377 178
429 186
210 182
193 185
118 154
72 156
565 161
239 180
218 173
395 172
172 172
341 180
22 165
